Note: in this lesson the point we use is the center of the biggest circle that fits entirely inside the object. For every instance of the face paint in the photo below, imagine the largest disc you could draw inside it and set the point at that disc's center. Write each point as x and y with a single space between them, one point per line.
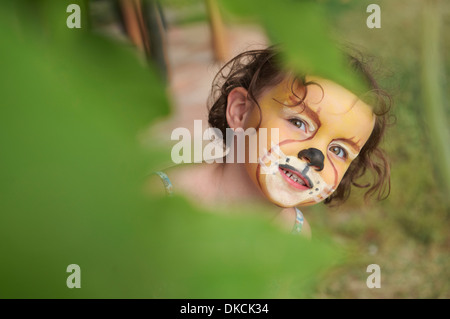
290 181
319 139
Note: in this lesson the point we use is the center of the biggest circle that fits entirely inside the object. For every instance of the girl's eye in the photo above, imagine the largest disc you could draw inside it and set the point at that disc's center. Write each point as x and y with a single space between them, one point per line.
339 151
298 123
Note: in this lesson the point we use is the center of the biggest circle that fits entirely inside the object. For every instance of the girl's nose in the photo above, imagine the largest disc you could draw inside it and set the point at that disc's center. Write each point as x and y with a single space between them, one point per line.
314 157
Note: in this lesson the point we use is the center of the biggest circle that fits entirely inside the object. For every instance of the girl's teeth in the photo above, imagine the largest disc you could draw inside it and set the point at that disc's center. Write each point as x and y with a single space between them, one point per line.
293 177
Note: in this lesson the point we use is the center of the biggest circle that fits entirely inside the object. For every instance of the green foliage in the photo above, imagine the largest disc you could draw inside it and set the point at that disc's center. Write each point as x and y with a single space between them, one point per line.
302 30
433 91
72 172
72 175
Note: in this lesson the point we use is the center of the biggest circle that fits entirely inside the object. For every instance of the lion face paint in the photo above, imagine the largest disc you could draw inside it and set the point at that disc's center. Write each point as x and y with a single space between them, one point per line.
318 140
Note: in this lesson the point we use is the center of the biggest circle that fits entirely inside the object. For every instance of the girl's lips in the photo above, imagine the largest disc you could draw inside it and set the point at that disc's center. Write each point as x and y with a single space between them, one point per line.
294 179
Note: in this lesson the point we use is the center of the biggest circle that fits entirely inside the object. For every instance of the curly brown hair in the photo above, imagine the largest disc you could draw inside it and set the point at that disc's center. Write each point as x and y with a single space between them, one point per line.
256 70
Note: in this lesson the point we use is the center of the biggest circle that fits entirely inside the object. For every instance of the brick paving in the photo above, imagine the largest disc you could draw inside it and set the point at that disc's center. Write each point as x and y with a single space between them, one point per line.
192 69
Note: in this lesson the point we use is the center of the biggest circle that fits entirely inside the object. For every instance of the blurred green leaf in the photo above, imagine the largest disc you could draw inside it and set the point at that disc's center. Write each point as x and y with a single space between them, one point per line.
71 185
301 29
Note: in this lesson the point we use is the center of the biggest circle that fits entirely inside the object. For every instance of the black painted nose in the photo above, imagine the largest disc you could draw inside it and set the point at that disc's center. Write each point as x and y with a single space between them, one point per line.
314 157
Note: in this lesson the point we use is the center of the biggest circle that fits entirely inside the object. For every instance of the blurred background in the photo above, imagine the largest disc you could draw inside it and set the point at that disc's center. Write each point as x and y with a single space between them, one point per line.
87 113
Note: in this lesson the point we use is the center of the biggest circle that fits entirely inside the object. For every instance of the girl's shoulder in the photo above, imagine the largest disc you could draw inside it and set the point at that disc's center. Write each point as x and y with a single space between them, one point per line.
160 181
165 180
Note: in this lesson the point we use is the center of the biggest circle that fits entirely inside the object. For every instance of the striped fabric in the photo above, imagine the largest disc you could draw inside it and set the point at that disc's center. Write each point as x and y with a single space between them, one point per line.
167 184
298 221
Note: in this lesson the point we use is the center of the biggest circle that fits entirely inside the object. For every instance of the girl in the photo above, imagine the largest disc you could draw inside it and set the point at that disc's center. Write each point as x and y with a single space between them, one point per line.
320 139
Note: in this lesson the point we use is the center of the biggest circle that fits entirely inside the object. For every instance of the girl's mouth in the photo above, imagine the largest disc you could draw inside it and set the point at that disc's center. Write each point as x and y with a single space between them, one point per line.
294 177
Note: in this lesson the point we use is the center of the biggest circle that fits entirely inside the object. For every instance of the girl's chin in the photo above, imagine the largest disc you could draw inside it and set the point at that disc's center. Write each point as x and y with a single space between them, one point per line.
282 197
283 194
285 202
288 204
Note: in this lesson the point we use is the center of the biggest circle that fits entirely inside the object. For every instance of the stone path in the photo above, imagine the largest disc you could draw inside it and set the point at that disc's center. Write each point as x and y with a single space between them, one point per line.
192 69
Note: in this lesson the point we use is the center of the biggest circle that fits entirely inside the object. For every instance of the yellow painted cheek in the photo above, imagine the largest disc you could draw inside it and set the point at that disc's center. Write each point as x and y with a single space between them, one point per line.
253 118
328 174
341 167
275 132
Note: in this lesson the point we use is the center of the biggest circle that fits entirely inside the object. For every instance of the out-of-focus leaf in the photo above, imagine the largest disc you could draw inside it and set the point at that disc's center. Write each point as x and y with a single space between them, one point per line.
301 29
71 179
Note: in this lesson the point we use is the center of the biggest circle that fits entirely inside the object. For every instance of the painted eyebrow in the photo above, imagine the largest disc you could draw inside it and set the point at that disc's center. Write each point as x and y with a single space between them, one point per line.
311 114
350 142
306 110
315 117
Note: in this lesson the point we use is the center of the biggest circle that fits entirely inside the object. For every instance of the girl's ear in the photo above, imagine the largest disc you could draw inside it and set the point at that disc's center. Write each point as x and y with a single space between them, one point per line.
238 108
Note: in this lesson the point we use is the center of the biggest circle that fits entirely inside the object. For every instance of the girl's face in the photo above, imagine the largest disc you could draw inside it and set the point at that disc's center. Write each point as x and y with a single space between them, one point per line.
317 140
